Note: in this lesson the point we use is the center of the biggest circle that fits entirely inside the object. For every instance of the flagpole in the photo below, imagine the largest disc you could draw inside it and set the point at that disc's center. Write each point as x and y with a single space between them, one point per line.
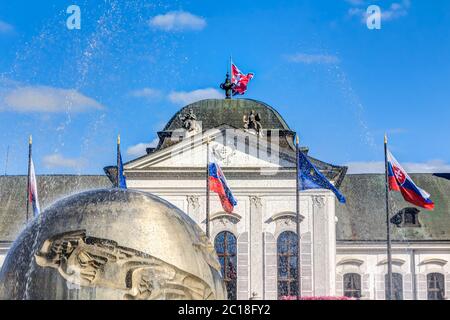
207 187
388 224
297 196
30 144
118 161
231 74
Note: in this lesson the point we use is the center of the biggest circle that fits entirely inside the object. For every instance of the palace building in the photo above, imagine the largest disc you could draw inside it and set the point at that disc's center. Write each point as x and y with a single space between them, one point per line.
342 246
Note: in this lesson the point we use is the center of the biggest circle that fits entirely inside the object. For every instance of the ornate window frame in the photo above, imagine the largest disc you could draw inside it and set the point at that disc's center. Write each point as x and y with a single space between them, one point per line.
223 221
226 254
284 221
352 265
290 278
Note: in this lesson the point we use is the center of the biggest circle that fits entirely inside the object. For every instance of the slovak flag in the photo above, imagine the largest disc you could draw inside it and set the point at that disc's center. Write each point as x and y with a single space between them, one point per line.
240 80
32 190
400 181
218 184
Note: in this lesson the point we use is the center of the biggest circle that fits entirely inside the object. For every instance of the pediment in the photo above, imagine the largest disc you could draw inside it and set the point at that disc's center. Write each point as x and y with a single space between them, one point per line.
230 147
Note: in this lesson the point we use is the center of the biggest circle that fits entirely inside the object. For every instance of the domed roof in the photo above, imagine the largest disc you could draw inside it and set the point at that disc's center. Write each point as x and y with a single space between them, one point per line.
112 244
215 112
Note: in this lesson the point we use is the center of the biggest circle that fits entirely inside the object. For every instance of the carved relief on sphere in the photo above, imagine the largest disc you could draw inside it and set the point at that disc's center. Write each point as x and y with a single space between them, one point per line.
95 262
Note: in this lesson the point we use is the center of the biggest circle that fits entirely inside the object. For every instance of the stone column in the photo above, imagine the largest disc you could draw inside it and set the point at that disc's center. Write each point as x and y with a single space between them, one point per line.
256 249
324 245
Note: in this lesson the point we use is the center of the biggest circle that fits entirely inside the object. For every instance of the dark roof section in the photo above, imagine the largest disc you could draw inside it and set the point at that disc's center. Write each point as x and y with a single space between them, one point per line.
363 218
216 112
50 188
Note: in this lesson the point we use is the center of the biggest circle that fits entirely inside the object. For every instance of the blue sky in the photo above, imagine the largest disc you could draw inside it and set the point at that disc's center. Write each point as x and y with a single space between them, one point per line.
132 66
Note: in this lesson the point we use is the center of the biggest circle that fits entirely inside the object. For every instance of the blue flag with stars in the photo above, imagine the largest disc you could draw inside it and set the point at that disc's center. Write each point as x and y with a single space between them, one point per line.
121 180
311 178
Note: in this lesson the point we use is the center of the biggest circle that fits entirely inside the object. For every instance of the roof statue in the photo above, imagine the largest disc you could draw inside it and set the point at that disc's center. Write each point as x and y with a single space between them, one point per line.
189 121
252 121
227 86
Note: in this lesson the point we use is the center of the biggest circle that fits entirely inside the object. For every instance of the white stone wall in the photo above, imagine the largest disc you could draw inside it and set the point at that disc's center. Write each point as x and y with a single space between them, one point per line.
265 209
369 260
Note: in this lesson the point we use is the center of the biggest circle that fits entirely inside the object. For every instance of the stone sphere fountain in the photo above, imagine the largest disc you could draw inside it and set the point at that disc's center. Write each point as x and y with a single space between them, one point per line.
112 244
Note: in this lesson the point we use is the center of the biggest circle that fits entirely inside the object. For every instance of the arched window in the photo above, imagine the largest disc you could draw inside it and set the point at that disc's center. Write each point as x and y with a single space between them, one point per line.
225 245
436 286
397 286
352 285
287 251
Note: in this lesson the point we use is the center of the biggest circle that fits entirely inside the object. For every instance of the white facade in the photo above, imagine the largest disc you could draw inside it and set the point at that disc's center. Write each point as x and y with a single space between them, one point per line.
265 190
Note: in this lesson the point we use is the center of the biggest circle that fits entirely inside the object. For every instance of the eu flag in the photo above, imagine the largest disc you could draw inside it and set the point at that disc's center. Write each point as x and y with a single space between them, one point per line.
311 178
121 181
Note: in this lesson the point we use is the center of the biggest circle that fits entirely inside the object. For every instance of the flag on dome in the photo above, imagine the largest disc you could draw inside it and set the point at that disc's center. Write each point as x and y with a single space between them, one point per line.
239 80
400 181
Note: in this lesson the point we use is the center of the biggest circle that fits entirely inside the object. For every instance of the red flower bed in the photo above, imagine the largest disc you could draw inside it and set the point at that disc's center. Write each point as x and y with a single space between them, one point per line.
315 298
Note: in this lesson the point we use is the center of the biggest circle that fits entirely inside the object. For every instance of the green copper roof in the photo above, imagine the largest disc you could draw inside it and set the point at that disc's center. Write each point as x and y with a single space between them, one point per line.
50 188
215 112
364 216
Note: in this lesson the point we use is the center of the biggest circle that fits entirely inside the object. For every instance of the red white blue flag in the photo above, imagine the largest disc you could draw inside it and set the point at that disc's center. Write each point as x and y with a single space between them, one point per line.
400 181
219 185
240 80
32 190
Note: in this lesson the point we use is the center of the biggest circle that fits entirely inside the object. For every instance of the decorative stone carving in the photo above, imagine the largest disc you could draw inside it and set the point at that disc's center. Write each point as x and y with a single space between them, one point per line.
223 153
252 122
89 261
256 201
319 201
190 123
226 219
193 201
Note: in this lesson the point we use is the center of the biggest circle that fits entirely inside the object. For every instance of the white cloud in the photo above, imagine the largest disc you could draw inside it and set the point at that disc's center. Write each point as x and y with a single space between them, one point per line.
26 99
187 97
140 149
365 167
5 27
395 10
178 21
432 166
148 93
312 58
57 160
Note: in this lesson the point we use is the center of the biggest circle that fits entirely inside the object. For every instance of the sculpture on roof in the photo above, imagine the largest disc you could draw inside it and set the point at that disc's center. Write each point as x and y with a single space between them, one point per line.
227 86
189 121
252 121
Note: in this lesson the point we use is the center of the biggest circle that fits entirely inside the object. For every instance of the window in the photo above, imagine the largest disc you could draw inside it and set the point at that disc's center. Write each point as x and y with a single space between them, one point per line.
225 245
436 289
407 218
410 218
287 251
352 285
397 286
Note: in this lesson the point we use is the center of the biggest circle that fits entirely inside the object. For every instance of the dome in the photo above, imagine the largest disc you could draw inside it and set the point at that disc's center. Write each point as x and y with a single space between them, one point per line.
215 112
112 244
